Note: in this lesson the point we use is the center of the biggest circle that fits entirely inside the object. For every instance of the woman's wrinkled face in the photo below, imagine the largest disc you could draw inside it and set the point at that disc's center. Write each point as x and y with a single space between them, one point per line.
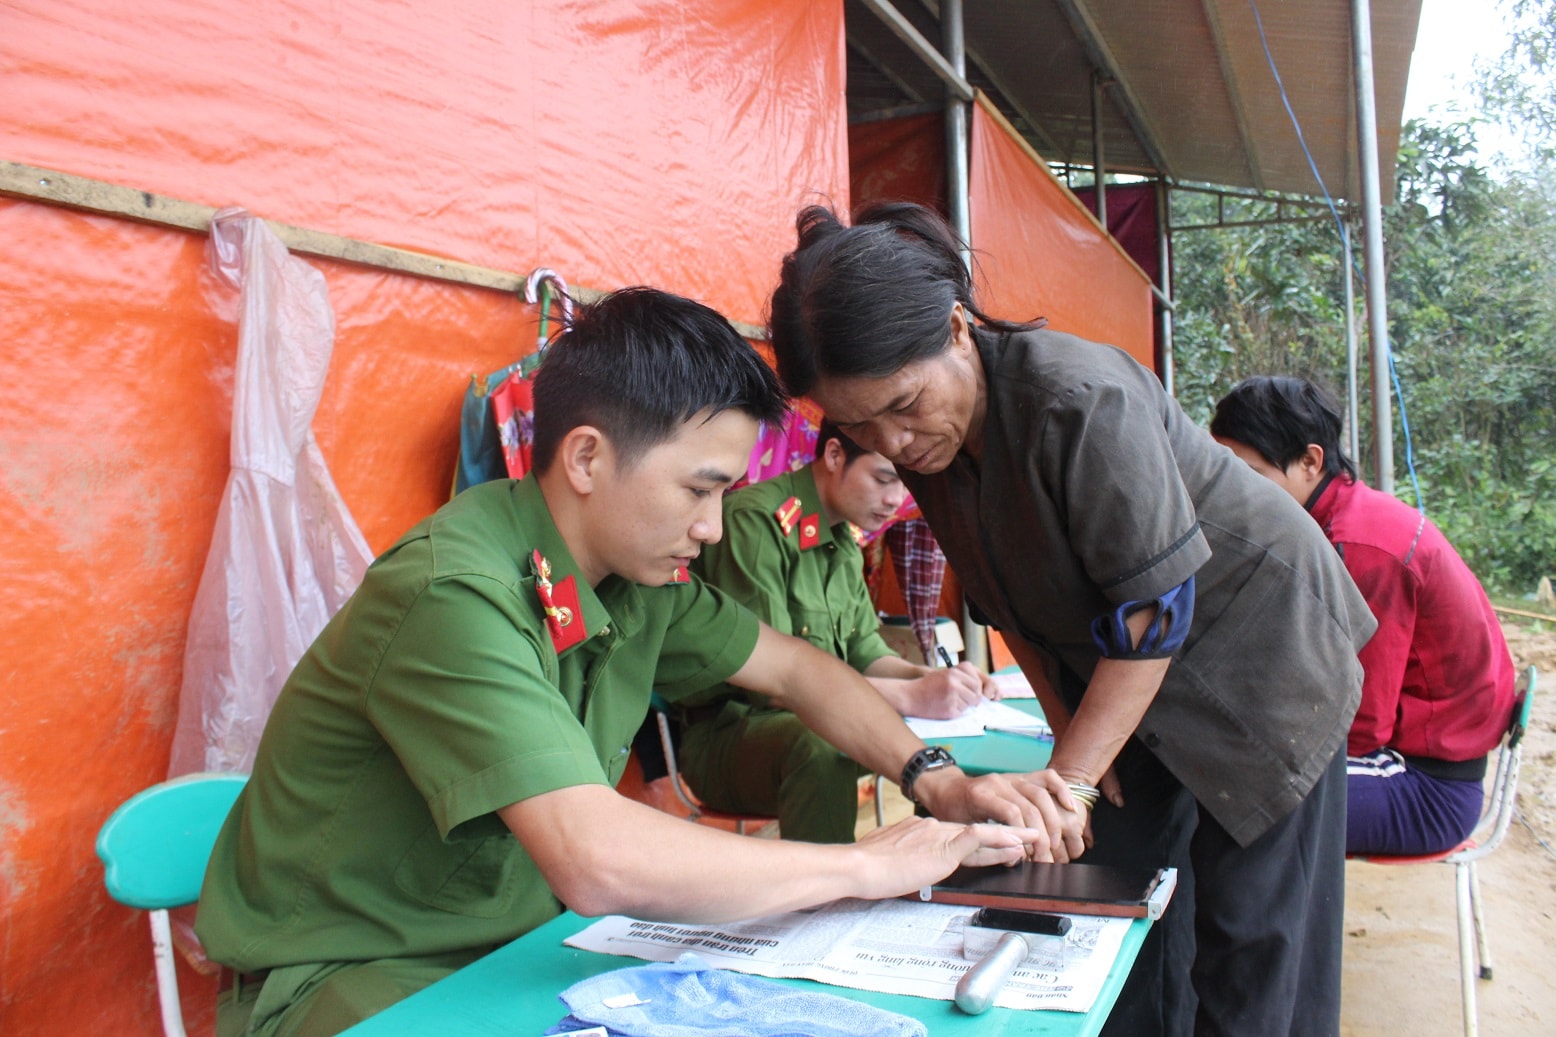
919 416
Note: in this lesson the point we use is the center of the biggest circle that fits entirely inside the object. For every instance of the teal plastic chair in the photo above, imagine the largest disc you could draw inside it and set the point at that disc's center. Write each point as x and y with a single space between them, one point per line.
154 849
1474 949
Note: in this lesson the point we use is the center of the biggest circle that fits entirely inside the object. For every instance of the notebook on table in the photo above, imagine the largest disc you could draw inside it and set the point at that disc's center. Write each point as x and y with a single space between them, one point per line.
1077 889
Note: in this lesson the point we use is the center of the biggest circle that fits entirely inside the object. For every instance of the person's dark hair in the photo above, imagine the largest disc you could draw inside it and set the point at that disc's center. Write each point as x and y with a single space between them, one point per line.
638 363
868 300
851 451
1277 417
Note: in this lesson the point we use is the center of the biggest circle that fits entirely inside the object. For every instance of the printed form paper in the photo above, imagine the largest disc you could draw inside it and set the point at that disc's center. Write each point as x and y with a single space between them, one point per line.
891 946
986 713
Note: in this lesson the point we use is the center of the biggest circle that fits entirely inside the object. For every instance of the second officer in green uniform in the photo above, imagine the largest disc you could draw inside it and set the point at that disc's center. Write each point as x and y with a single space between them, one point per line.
790 556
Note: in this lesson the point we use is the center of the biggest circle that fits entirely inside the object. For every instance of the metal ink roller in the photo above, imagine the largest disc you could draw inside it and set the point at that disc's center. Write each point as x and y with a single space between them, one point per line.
1020 935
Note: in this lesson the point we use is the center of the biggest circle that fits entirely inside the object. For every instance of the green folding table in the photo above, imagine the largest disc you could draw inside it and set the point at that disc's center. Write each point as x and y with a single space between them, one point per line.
512 992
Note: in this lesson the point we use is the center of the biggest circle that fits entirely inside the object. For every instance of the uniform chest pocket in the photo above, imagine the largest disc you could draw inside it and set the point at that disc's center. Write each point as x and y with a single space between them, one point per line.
475 877
817 627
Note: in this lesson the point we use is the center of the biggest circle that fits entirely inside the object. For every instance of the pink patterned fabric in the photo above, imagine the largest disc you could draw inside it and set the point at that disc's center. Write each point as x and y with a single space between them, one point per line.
785 447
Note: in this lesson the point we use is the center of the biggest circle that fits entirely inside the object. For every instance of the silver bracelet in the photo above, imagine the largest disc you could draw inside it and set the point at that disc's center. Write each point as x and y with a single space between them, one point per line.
1087 794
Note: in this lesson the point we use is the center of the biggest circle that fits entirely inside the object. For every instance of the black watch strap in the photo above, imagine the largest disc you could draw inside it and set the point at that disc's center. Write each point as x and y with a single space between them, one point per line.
929 758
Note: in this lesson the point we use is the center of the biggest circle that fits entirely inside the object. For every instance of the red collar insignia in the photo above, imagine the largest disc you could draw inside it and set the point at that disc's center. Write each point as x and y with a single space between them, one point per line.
681 576
564 614
810 532
787 513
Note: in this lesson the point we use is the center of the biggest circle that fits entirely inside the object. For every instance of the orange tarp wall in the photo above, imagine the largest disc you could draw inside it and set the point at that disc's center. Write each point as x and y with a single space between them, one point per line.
618 141
1041 253
1039 250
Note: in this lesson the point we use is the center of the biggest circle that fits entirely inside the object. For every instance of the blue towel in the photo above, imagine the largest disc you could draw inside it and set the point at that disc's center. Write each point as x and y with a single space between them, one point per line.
689 998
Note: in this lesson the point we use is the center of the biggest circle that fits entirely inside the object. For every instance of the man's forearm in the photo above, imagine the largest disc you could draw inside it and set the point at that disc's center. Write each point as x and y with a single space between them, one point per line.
831 699
854 716
587 841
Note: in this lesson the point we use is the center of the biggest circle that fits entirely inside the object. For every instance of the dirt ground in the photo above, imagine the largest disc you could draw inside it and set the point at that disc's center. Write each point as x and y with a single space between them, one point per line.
1401 949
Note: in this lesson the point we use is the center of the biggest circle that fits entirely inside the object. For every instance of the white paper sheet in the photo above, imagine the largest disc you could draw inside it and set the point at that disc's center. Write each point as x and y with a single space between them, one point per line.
892 946
986 714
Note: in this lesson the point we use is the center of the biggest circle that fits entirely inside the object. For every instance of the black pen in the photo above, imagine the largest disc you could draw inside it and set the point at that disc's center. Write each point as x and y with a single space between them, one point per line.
945 657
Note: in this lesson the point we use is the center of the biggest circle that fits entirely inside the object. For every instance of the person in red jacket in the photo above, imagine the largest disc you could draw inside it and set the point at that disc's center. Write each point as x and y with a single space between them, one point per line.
1438 686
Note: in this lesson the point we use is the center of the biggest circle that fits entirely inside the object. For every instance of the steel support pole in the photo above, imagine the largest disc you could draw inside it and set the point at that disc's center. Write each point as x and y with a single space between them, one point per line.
1372 251
954 49
1098 159
904 31
1164 362
1352 433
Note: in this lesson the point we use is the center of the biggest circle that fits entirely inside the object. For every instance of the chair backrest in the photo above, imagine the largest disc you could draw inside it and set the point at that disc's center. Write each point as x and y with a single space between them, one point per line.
1504 786
1523 705
155 847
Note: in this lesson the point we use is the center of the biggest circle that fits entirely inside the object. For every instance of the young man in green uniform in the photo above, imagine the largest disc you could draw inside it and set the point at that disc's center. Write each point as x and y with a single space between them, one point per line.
436 777
789 555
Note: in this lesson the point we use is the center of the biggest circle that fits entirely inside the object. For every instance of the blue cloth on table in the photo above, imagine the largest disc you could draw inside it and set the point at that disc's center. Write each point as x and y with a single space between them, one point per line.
690 998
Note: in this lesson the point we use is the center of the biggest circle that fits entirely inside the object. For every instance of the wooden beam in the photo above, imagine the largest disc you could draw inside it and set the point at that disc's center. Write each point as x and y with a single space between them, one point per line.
1523 614
85 194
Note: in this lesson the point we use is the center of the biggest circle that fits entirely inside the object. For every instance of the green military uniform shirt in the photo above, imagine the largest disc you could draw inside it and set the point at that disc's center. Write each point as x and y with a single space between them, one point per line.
780 559
435 697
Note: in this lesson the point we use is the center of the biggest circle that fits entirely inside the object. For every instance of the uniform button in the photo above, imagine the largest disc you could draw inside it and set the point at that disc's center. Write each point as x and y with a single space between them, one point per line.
605 631
804 631
623 751
1152 740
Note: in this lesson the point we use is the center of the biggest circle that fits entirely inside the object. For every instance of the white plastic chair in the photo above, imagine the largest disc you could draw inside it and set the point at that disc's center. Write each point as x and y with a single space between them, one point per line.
154 850
1474 950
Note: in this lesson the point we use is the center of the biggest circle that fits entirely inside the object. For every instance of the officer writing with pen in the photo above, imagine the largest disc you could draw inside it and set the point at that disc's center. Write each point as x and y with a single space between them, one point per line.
789 555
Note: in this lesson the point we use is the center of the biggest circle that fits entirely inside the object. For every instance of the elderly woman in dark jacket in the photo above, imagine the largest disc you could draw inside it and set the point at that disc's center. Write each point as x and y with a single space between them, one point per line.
1191 634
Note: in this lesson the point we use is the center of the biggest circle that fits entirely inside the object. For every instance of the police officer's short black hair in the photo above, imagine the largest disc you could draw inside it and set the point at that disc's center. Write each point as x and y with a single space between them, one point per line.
638 363
851 451
1278 416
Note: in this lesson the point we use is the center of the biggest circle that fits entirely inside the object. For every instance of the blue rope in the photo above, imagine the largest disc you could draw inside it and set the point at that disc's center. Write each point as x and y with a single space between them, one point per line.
1404 422
1399 393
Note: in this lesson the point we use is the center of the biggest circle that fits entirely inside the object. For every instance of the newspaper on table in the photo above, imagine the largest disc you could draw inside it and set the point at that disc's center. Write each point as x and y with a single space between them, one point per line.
890 946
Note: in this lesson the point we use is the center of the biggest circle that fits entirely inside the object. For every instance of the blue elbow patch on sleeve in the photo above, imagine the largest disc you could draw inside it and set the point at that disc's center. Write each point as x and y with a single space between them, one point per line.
1165 635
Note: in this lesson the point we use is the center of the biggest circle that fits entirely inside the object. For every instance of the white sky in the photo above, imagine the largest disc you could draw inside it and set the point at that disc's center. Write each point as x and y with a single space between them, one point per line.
1452 34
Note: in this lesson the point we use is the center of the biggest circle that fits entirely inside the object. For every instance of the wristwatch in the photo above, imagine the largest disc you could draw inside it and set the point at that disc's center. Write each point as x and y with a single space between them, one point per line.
930 758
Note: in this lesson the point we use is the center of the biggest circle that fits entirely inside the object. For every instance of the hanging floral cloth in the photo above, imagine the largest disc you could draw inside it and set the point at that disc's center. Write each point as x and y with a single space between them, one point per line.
497 419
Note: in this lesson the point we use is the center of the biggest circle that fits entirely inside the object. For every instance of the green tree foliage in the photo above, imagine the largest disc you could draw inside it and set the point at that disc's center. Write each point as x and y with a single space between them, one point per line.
1471 275
1519 88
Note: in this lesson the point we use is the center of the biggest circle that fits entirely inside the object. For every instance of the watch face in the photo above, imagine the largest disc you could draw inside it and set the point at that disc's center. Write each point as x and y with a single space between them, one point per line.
927 759
937 757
